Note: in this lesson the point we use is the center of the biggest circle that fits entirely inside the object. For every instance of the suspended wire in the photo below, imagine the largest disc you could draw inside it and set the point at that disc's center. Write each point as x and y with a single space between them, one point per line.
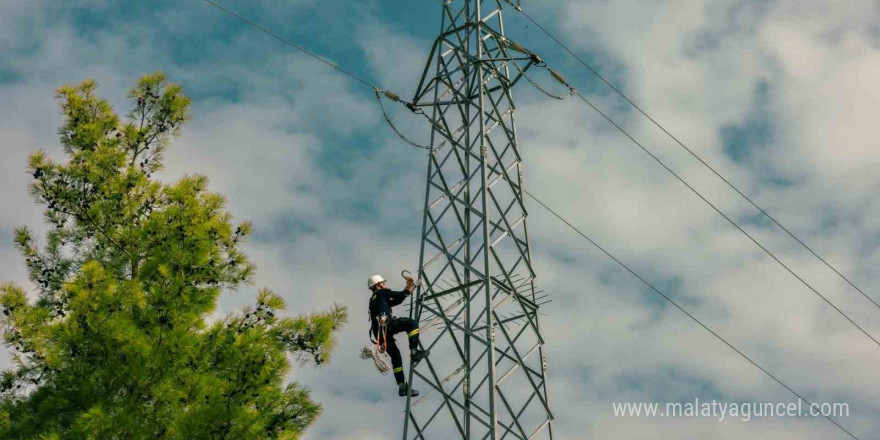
334 66
562 80
571 90
692 153
391 124
722 214
294 45
671 301
574 92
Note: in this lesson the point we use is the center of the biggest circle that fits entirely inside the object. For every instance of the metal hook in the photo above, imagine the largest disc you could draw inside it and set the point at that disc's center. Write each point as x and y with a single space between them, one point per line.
407 275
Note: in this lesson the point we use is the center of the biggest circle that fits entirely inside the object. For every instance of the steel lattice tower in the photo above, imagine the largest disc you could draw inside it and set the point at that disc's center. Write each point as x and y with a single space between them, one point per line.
478 307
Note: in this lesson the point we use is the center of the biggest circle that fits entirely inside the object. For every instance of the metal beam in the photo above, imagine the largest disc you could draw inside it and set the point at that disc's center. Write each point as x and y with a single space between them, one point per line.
475 240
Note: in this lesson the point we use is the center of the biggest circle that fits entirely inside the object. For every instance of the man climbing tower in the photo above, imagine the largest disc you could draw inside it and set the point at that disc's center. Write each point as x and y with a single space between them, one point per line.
383 326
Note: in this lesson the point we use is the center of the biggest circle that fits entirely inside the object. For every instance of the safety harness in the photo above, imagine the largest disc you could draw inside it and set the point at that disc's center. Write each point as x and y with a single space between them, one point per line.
382 335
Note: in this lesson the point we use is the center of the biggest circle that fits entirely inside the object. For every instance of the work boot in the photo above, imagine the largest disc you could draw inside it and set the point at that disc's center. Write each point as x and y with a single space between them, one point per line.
417 355
401 390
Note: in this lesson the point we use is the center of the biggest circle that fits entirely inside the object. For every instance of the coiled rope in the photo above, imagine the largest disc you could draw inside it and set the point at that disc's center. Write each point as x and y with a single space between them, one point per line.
368 352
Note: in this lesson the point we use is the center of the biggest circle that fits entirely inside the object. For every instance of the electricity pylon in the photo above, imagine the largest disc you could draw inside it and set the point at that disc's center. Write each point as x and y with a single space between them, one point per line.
478 307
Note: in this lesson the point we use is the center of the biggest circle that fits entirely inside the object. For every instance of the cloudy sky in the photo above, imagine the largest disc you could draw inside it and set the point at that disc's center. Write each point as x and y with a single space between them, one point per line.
778 95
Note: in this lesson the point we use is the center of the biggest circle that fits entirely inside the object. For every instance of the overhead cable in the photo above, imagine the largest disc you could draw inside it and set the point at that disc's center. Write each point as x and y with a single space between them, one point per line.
394 97
680 308
722 214
562 80
294 45
573 91
387 93
692 153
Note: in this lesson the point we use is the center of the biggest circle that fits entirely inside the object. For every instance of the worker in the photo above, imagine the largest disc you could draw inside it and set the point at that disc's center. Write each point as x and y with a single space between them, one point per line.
381 302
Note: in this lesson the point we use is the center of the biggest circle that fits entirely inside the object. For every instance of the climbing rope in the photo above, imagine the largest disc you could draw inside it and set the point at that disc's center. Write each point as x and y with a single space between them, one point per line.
368 352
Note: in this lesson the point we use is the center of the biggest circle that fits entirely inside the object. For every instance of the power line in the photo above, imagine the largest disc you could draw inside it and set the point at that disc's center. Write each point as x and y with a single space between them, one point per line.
651 286
627 268
692 153
376 89
402 137
393 127
671 301
574 91
737 226
698 194
294 45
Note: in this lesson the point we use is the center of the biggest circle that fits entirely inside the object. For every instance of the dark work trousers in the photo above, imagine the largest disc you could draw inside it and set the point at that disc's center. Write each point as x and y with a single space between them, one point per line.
399 325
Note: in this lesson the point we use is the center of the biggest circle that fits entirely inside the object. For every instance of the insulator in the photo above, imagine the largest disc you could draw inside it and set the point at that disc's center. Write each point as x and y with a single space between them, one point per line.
391 96
558 77
516 46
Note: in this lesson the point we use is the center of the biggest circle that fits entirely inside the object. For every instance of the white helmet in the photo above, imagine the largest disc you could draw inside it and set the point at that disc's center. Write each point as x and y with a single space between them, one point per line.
375 279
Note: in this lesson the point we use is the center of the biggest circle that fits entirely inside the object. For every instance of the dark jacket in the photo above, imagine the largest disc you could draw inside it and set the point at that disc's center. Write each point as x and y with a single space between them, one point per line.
383 300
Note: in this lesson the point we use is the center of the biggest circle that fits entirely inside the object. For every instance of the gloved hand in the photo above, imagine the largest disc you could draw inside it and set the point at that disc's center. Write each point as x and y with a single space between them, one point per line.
410 282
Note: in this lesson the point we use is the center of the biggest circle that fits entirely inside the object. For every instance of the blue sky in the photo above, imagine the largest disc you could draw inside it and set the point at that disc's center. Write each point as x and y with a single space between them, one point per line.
778 95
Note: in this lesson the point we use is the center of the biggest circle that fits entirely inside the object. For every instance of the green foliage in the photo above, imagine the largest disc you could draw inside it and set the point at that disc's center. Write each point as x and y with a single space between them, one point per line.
119 342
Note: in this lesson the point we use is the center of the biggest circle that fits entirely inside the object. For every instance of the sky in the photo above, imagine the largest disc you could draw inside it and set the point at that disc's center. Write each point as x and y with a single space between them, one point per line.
779 96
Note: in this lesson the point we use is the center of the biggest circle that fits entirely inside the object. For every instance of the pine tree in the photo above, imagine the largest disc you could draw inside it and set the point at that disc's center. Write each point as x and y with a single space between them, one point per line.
119 340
